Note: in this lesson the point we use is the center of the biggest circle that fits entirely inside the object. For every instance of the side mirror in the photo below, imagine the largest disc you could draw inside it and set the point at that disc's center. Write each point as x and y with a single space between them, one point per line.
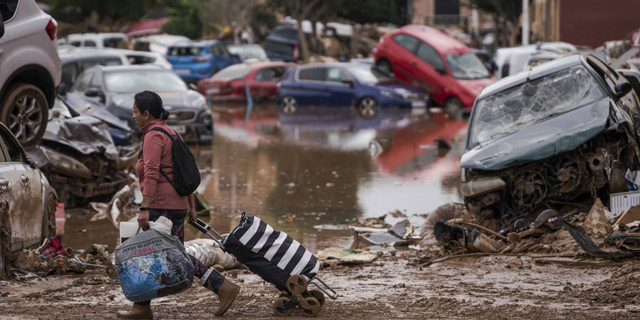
93 93
622 88
1 26
62 88
348 82
192 86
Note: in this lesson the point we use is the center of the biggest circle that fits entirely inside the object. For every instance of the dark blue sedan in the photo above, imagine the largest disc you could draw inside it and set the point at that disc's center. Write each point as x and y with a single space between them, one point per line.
345 85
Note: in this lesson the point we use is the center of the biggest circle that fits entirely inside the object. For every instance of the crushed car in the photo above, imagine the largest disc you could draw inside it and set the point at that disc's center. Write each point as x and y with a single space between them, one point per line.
549 137
80 159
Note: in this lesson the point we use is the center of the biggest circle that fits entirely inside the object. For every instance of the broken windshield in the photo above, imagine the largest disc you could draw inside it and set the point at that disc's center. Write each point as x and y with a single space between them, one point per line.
466 66
510 110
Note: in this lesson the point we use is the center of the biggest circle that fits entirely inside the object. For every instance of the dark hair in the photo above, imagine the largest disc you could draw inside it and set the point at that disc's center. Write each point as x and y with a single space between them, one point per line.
151 101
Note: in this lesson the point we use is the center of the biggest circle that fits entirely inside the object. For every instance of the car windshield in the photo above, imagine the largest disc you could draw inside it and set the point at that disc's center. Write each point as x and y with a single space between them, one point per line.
232 72
510 110
368 74
115 43
466 66
131 81
185 51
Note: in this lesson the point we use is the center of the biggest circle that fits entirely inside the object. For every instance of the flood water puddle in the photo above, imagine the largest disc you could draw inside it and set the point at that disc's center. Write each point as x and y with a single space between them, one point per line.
319 167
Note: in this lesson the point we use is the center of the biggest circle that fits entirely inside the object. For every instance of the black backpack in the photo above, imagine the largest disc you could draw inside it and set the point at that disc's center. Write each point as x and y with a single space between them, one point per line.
185 170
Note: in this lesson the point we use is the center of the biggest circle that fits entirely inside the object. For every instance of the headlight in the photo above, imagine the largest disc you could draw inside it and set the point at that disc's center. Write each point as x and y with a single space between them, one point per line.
66 164
391 95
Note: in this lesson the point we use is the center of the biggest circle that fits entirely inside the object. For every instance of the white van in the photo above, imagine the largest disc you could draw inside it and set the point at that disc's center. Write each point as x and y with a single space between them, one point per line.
99 40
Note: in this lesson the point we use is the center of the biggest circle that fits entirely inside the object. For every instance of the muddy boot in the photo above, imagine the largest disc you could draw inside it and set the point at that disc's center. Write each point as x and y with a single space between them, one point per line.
225 289
138 311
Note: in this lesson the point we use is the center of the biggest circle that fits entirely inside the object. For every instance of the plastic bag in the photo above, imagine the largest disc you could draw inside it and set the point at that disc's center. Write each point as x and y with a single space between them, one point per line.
153 264
162 224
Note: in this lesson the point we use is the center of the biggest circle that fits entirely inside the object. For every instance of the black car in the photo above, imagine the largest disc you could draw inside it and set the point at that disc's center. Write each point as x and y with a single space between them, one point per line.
560 133
283 44
115 87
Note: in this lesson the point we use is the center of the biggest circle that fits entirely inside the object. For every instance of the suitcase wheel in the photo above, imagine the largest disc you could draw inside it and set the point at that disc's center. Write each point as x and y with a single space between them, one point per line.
318 295
314 308
280 307
296 285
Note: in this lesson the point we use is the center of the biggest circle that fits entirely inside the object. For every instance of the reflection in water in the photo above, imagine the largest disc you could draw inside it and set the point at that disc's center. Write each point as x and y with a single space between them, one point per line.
325 167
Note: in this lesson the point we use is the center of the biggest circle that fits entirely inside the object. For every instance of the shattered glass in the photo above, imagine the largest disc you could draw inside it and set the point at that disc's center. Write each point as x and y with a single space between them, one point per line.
466 66
508 111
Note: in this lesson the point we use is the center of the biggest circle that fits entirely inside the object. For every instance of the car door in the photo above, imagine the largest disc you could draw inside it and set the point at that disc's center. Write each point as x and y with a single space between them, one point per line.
221 57
340 88
428 67
264 82
21 193
311 88
401 62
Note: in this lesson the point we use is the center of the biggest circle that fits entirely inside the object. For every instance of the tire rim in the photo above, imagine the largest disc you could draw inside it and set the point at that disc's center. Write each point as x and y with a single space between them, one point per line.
25 118
452 107
288 105
368 107
384 67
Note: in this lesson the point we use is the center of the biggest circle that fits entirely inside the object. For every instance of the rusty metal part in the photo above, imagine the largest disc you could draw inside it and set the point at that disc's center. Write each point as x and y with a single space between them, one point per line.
479 227
481 186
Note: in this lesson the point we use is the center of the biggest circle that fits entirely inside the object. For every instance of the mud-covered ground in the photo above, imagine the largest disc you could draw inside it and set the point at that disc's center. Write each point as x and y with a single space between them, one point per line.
496 287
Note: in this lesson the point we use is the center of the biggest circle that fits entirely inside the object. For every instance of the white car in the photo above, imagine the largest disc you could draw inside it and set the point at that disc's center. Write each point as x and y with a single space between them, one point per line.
27 204
29 69
144 57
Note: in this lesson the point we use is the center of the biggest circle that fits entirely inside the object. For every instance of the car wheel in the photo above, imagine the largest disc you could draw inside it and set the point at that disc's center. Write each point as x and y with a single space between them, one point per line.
25 110
368 107
452 107
288 105
384 66
49 216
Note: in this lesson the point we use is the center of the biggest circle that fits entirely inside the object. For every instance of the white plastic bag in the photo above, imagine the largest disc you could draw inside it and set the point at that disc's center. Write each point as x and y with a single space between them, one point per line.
162 224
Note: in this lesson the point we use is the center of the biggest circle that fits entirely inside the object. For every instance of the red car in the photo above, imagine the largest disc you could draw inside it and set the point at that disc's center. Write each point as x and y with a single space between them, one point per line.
228 85
429 58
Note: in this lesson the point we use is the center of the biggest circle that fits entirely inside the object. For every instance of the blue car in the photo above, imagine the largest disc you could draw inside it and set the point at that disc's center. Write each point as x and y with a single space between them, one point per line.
345 85
194 61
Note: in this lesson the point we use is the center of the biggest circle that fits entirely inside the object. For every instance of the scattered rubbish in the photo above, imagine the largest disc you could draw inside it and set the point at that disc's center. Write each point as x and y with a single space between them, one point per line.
4 294
633 179
589 247
596 223
210 254
122 206
630 215
60 218
401 234
619 202
346 256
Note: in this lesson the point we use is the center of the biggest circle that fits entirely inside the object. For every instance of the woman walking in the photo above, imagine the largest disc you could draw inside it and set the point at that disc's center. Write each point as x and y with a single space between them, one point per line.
161 199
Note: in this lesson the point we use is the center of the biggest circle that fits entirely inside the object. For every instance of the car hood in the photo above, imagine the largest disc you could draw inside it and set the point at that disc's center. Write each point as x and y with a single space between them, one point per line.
559 134
97 111
178 99
85 134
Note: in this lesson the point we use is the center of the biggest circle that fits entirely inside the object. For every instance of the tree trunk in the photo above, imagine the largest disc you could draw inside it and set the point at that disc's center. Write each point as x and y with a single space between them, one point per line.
5 244
304 46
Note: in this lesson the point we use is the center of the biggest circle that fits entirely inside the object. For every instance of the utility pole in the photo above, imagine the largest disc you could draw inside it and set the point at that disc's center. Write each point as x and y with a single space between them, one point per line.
525 22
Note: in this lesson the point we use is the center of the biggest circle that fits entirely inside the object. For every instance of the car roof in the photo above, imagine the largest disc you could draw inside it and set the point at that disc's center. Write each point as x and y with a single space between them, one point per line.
535 73
439 40
136 67
87 53
196 43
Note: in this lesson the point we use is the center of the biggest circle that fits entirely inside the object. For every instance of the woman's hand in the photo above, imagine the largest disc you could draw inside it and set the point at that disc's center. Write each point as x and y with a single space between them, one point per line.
143 219
193 215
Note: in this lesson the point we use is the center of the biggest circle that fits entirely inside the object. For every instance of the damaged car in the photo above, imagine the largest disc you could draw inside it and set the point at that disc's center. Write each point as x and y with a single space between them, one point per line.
80 159
549 137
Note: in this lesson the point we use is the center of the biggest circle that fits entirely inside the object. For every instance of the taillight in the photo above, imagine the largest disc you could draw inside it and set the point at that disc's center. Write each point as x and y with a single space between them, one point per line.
52 29
296 52
202 59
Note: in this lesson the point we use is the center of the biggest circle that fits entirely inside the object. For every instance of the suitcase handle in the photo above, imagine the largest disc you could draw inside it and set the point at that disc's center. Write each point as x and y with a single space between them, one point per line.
205 228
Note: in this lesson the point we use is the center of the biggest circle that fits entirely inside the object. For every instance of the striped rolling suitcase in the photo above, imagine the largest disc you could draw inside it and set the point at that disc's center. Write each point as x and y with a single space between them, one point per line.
278 259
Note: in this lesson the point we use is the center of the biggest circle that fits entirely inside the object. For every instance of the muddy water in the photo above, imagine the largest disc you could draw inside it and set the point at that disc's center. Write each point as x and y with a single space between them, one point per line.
319 167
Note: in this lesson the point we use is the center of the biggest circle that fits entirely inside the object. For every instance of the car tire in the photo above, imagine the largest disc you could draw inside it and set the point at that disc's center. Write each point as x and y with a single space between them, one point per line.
368 107
452 107
384 65
288 105
24 109
49 216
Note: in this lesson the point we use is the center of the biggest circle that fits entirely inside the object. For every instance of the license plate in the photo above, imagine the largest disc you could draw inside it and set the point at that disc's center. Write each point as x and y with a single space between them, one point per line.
179 129
213 90
182 71
418 103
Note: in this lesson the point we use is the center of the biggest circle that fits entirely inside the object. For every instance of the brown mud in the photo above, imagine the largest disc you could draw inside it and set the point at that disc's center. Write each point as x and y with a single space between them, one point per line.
396 286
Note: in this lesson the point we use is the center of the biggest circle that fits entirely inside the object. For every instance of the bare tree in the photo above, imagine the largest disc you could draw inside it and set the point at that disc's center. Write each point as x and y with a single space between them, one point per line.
217 14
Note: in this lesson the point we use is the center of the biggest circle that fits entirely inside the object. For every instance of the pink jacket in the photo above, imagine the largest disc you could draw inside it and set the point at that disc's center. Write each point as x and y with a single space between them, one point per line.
156 155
